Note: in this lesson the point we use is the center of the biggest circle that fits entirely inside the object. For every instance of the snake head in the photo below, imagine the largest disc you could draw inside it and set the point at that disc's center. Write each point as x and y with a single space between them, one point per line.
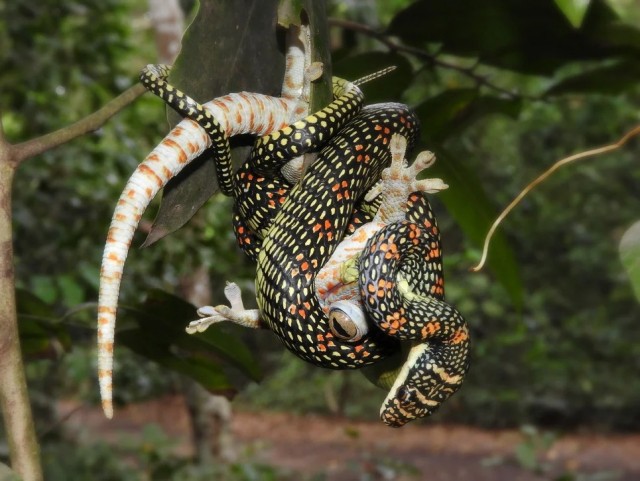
421 387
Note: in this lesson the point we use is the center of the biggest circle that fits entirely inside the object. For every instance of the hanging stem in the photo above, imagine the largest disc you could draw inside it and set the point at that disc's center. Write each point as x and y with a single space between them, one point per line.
541 178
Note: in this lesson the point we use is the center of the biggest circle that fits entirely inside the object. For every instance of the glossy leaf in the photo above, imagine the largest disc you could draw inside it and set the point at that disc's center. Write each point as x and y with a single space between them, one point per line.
469 205
529 37
455 109
232 48
574 10
441 117
224 50
156 330
206 372
611 79
41 332
630 256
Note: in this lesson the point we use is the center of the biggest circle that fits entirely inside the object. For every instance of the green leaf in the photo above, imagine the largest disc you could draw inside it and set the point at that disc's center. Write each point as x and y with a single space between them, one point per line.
630 256
233 349
224 50
41 332
532 37
574 10
469 205
205 371
453 110
233 47
156 330
30 304
44 287
611 79
526 456
440 117
72 293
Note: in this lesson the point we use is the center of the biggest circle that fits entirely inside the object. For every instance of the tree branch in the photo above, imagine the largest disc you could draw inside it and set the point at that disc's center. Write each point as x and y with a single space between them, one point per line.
425 56
30 148
14 398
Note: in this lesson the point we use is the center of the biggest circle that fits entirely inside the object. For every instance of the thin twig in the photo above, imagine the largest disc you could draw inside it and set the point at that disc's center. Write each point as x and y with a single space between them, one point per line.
59 422
94 121
541 178
426 56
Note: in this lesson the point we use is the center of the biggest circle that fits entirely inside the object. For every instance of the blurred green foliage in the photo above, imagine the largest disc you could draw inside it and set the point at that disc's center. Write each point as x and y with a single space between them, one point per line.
554 323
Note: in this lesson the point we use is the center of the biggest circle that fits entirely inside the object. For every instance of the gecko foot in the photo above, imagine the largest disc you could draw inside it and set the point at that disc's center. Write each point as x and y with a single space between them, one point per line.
399 171
400 179
235 313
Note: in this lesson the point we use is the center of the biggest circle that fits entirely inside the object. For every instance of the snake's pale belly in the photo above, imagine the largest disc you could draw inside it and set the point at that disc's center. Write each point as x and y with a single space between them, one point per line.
307 229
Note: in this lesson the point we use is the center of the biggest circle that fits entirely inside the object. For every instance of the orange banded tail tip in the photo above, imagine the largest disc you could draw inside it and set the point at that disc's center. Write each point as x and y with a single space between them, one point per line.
107 408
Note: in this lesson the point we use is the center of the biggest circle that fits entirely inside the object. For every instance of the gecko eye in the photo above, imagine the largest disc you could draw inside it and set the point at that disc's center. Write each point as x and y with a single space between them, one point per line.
347 322
405 395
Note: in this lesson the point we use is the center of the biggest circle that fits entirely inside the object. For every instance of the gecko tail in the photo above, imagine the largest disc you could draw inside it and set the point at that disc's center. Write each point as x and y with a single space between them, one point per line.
238 113
178 148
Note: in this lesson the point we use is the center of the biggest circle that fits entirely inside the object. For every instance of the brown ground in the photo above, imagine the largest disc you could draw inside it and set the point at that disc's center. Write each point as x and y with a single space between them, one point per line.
347 450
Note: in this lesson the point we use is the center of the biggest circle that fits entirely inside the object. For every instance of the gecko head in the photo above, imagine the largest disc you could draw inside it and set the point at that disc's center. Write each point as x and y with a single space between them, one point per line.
347 321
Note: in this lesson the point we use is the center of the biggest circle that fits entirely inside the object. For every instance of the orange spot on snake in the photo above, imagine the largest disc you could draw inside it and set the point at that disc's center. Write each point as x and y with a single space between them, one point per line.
430 328
461 335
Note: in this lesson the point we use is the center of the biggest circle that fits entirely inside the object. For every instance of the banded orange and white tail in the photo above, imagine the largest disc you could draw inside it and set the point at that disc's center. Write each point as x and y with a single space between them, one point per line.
238 113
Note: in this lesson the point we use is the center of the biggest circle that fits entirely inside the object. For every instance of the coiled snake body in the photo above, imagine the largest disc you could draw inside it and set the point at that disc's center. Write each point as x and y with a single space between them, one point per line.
402 293
293 236
308 228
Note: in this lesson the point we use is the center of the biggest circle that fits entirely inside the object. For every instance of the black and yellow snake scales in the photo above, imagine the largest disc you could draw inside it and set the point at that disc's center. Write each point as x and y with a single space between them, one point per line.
293 235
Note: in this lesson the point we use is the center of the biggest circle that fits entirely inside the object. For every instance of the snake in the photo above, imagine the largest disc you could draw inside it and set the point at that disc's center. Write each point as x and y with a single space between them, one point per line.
307 229
217 120
294 236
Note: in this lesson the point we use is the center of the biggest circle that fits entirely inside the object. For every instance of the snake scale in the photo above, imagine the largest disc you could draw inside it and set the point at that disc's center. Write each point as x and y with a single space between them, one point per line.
293 235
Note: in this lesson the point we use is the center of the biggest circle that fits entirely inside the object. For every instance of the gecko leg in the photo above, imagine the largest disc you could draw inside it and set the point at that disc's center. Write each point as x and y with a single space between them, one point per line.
399 180
235 313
